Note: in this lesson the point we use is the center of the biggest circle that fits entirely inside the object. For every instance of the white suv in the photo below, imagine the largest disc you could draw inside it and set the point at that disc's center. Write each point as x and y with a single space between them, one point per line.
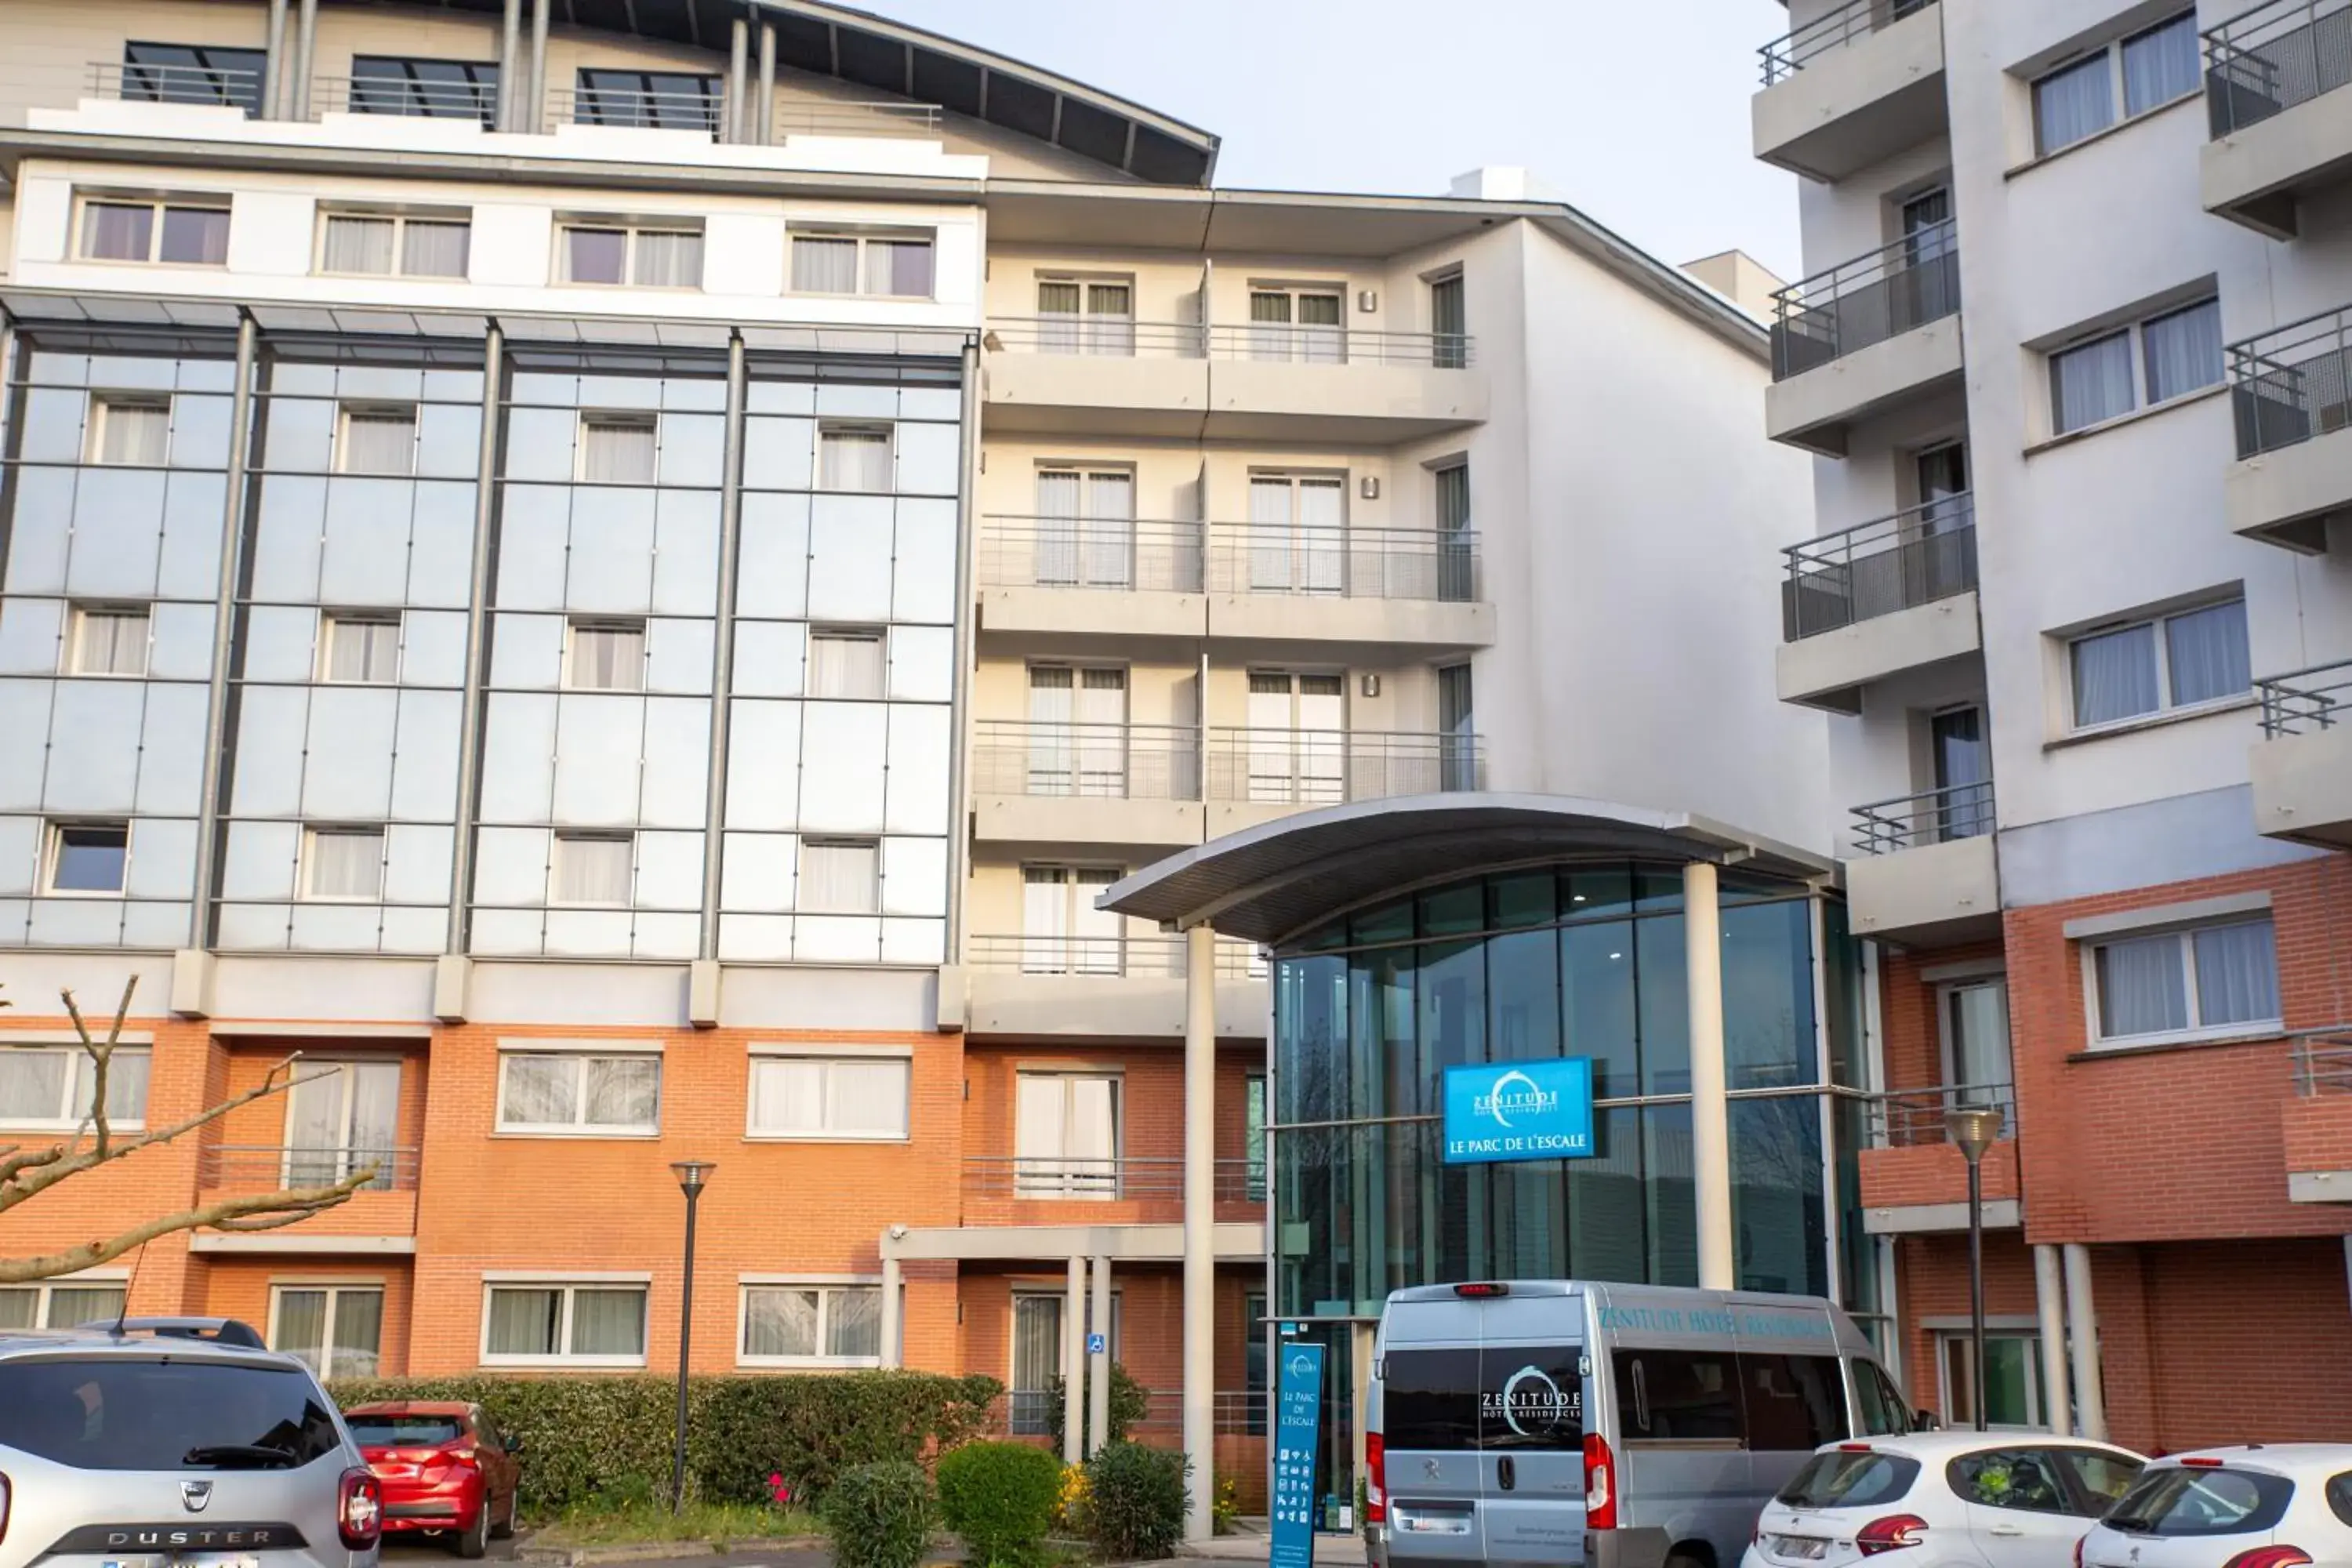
2257 1505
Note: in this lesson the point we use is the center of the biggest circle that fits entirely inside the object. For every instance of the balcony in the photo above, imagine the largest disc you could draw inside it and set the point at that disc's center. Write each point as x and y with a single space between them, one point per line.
1115 375
1864 338
1125 1178
1884 597
408 98
1852 87
1925 875
1123 785
2301 767
1257 775
2281 130
637 109
2291 395
1114 986
1095 576
1915 1180
2316 1125
207 87
376 1215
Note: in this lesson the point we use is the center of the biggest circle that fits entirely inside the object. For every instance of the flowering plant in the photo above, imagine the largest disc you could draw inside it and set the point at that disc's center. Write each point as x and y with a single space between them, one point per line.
779 1491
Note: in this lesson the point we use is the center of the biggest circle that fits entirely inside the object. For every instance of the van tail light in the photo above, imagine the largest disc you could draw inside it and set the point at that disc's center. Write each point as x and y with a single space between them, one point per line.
3 1508
2270 1557
2078 1550
358 1509
1893 1534
1376 1479
1599 1483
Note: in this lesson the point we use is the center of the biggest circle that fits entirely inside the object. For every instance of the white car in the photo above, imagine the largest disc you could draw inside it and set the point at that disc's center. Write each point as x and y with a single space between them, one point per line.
2256 1505
1944 1499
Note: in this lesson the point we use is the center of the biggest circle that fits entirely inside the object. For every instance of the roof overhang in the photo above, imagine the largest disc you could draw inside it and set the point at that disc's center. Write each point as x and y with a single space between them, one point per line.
1267 883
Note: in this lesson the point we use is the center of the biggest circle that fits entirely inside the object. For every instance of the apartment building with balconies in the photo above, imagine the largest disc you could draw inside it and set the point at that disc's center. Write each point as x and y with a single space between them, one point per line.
2078 595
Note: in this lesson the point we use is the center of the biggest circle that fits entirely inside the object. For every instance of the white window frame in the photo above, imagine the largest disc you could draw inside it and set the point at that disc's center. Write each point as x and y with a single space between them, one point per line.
2183 934
827 1286
862 238
335 1290
615 418
364 407
307 891
629 229
833 427
157 206
828 1056
1946 1339
578 624
45 1292
2113 50
2136 330
101 403
52 849
332 622
78 1062
82 614
561 836
879 636
568 1285
583 1052
2165 707
456 218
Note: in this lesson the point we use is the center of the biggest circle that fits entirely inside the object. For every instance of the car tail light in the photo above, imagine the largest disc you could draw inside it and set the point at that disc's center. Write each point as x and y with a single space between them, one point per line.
1893 1534
1376 1479
2270 1557
358 1509
1599 1483
2078 1550
3 1508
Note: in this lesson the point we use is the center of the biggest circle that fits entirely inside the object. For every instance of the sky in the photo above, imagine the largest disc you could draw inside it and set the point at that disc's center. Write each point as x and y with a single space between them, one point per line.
1633 111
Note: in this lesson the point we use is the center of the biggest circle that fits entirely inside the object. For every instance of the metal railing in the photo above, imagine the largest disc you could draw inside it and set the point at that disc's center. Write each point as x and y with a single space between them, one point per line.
1123 337
2323 1062
1096 761
1239 1412
1326 767
2265 61
1147 556
2319 697
630 106
825 116
1115 1176
2293 384
1914 1118
1866 300
221 87
1344 563
474 101
1915 557
1145 957
1931 816
1110 337
1849 23
264 1167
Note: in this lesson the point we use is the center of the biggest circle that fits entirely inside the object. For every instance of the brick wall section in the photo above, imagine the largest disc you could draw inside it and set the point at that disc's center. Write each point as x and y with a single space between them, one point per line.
2316 1134
1932 1275
1912 1033
1933 1173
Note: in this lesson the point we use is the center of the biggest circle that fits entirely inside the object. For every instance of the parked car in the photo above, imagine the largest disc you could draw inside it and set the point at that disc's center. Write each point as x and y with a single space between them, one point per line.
2276 1505
175 1440
1970 1499
444 1468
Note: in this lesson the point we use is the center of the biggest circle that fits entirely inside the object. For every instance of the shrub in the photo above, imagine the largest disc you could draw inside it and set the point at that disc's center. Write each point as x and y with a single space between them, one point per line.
1130 1404
1135 1502
880 1515
1001 1497
1224 1505
1070 1507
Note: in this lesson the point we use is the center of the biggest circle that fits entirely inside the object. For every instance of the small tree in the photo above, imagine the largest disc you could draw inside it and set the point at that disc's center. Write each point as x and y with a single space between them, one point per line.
27 1172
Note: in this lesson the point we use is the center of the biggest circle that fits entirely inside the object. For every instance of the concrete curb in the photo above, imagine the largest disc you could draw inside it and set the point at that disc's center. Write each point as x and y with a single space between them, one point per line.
655 1551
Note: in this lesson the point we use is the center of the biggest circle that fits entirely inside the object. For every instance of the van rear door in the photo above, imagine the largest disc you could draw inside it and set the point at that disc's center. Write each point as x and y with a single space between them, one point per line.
1428 1425
1531 1402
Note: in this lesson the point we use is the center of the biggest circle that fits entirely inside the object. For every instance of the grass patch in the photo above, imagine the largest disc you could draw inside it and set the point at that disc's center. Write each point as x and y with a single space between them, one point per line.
606 1522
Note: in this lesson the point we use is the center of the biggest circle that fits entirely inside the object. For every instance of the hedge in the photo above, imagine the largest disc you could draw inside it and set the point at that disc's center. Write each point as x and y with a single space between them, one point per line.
580 1431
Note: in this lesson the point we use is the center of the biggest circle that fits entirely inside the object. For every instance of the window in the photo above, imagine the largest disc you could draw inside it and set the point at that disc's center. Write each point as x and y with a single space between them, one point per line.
169 231
619 449
579 1092
1976 1040
360 650
656 101
342 1116
436 89
336 1330
840 877
344 863
1298 737
1066 1135
1449 328
592 870
2025 1479
1456 567
1792 1403
1678 1396
2013 1395
2174 1500
1457 729
2181 660
2144 71
834 1323
376 438
2170 355
131 431
606 656
109 640
1254 1138
119 1413
828 1096
848 663
861 264
2099 1477
52 1087
1885 1411
1086 530
854 459
58 1306
2203 979
1083 317
1062 931
1078 732
193 73
1038 1345
392 245
88 859
1297 324
1297 534
558 1324
624 255
1852 1479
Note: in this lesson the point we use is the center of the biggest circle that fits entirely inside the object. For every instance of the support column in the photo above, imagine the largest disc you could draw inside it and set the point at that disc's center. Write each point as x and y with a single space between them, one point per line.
763 108
306 44
893 1330
209 788
1098 1361
2082 1323
1199 1401
1073 1364
534 105
739 91
1359 1390
478 636
2048 1298
509 56
722 640
273 64
1710 1111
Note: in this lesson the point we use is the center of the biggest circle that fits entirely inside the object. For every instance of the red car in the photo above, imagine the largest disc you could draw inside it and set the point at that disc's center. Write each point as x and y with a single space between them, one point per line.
443 1467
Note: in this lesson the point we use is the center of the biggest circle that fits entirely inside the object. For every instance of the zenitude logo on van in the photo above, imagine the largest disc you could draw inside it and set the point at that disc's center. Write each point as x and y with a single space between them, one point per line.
1531 1404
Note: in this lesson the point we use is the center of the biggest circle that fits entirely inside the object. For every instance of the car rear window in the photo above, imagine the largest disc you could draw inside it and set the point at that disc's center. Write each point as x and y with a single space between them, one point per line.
127 1413
2340 1496
405 1431
2179 1499
1846 1480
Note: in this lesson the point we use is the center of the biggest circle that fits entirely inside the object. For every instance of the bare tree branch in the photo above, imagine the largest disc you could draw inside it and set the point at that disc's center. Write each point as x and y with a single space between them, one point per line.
294 1204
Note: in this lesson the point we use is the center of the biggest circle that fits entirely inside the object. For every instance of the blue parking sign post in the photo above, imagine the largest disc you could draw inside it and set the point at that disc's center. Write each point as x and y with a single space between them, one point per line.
1299 1419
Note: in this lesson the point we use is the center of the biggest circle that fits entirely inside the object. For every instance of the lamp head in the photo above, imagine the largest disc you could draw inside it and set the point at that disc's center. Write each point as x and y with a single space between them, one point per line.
1973 1127
692 1173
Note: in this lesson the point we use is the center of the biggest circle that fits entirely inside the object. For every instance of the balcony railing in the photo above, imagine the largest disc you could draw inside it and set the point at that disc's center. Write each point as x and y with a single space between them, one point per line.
1150 557
264 1167
1096 761
1326 767
635 106
1240 1413
1931 816
2302 701
414 99
1145 957
1344 563
1873 297
1848 24
2293 382
2265 61
220 87
1122 337
2323 1062
1108 1178
825 117
1911 1118
1874 569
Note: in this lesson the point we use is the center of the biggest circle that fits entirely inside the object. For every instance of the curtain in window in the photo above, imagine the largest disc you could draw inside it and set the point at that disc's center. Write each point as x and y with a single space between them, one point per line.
2091 383
1448 324
669 261
608 1323
608 659
359 245
33 1085
623 1091
2071 104
524 1322
854 1322
1110 531
1097 935
379 440
856 461
1322 535
901 266
359 1334
617 451
780 1322
135 433
366 652
302 1328
1058 336
866 1097
1098 733
1111 320
787 1096
436 249
1269 533
1045 919
2160 65
591 871
824 266
2115 676
2142 987
1053 701
2207 649
126 1085
346 865
112 644
1270 335
194 237
1058 528
2183 351
539 1090
112 232
20 1308
314 1128
2237 973
838 878
70 1306
595 254
1320 336
1036 1360
843 665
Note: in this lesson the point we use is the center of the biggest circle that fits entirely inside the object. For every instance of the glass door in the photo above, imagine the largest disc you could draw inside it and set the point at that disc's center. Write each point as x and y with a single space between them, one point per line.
1036 1362
1976 1041
1453 544
1298 534
1297 324
1066 1135
1052 755
1456 729
341 1117
1930 260
1449 327
1061 931
1963 807
1086 317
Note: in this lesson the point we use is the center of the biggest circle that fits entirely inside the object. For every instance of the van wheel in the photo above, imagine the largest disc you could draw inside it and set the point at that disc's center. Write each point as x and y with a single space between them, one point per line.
475 1541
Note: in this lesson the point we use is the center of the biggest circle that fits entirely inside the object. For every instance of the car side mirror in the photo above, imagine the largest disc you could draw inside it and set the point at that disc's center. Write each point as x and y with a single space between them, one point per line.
1925 1421
514 1445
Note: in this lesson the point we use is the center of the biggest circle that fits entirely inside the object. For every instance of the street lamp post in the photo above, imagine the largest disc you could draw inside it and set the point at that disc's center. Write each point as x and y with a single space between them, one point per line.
691 1176
1973 1127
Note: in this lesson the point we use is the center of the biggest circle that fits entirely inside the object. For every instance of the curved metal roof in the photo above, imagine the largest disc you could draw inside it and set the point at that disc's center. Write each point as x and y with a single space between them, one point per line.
871 52
1267 882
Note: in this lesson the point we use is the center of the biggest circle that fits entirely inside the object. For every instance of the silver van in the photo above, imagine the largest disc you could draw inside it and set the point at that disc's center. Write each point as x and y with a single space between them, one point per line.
1616 1426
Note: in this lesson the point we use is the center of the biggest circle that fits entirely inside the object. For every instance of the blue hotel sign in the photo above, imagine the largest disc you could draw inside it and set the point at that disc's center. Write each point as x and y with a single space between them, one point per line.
1537 1110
